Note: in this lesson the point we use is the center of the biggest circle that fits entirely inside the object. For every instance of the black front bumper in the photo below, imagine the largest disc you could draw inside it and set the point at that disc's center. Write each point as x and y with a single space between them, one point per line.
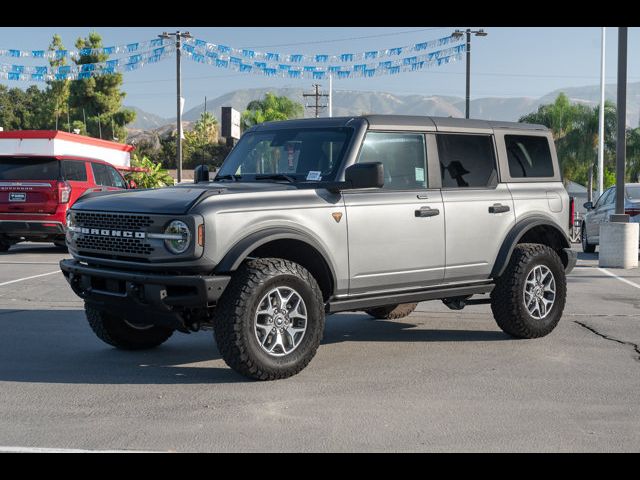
141 297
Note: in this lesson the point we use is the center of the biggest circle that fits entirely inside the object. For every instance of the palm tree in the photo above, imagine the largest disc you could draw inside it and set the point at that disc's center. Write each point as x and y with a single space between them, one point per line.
270 108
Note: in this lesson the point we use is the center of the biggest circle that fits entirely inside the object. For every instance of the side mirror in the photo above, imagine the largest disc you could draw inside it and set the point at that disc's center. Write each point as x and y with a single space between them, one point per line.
201 174
365 175
132 184
588 205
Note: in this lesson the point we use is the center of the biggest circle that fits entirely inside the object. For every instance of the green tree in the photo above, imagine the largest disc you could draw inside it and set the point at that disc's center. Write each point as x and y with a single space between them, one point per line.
153 176
100 96
56 106
270 108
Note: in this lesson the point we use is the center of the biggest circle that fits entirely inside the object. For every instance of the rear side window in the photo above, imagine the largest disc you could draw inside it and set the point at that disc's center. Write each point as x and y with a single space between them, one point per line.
74 170
107 176
633 193
16 168
466 161
528 156
403 158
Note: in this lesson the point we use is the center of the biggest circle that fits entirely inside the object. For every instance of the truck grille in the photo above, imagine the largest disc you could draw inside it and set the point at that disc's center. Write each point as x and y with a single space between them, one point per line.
113 220
103 244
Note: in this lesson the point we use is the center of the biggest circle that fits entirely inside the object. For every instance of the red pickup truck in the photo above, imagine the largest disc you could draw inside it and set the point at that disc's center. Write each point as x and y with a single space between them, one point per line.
37 190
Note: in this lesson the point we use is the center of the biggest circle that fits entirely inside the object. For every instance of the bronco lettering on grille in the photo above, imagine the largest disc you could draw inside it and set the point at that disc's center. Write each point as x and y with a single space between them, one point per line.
111 233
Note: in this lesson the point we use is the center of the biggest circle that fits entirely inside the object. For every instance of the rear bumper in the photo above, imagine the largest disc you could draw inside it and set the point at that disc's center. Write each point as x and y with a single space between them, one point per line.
31 228
572 258
142 297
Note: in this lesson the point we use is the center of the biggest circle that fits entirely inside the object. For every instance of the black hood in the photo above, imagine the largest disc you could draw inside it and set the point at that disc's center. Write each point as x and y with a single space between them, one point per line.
176 200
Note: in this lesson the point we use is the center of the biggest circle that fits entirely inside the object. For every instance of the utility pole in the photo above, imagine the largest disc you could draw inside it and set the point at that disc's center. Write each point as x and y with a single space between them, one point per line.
317 106
601 118
458 34
179 36
621 140
330 95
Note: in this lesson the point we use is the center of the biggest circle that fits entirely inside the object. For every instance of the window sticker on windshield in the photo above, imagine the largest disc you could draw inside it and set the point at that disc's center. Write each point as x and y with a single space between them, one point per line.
419 174
314 175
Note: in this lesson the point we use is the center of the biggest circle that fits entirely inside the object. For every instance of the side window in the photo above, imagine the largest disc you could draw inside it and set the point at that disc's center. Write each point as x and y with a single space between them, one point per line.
116 178
529 156
102 175
604 198
403 156
611 199
466 161
74 170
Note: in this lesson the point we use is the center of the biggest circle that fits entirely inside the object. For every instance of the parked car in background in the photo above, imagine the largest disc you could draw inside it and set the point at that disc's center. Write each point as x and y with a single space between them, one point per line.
43 172
603 209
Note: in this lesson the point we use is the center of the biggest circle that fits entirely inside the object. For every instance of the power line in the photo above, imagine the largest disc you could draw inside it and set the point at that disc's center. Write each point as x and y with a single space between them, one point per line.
349 38
317 106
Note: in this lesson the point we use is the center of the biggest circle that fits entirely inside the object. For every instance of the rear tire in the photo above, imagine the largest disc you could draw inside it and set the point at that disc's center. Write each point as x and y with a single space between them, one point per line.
270 319
586 246
117 332
392 312
525 304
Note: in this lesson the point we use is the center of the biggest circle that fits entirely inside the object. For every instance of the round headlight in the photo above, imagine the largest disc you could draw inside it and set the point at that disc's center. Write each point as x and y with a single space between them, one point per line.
69 220
181 237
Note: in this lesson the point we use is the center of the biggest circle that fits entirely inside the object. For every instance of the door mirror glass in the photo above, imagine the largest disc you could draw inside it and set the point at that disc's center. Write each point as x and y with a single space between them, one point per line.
365 175
588 205
201 174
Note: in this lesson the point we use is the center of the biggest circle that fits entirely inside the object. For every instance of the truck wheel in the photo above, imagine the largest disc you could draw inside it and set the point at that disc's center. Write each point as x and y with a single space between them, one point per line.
270 319
586 246
4 246
529 297
392 312
116 331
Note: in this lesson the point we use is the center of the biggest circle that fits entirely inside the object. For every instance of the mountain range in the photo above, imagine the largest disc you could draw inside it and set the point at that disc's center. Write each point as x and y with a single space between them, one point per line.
348 102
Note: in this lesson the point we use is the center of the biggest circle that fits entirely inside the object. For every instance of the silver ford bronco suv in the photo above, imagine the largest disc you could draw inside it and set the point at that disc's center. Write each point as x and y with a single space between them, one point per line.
317 216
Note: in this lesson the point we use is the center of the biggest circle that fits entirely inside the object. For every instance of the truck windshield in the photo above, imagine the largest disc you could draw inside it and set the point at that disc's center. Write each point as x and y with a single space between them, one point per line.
287 155
25 168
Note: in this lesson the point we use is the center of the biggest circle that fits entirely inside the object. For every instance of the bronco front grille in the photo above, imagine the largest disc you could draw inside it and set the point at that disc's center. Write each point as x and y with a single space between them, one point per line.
113 220
117 246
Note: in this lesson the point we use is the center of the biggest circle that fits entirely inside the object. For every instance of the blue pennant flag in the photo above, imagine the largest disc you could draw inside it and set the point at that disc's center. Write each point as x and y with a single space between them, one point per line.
188 48
224 49
309 68
14 53
245 68
335 68
260 64
156 42
134 58
158 51
65 69
394 70
269 71
112 64
38 77
359 66
385 64
344 74
212 54
14 76
395 51
84 75
89 67
409 60
109 69
197 57
284 66
85 51
321 58
41 70
60 76
421 46
109 50
417 66
201 43
294 73
235 60
296 57
37 53
222 63
154 59
319 75
346 57
369 72
370 54
273 56
61 53
132 47
17 68
248 53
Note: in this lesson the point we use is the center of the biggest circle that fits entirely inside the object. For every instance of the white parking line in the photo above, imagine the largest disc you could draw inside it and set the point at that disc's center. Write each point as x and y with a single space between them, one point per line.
64 450
628 282
27 278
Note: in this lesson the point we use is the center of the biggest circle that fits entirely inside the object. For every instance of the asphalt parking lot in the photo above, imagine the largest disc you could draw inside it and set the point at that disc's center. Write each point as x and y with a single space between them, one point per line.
438 380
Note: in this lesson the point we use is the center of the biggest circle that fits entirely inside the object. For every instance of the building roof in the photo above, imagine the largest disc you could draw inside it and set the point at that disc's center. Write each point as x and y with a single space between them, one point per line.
71 137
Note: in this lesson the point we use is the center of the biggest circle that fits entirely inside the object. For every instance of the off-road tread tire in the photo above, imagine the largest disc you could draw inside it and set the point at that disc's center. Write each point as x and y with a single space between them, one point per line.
233 337
507 302
115 332
392 312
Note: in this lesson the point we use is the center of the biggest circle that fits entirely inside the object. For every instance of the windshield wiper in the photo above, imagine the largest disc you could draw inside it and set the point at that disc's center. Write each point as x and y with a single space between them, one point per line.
235 178
276 176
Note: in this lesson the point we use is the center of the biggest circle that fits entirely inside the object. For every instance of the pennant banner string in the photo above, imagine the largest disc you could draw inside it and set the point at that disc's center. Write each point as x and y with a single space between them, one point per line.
59 54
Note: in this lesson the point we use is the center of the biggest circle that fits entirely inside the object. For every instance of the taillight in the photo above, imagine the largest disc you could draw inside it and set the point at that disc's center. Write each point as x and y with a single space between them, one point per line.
572 211
632 212
64 192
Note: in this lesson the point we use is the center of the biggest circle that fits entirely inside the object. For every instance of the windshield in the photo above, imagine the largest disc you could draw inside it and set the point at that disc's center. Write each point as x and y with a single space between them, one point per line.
291 154
24 168
633 193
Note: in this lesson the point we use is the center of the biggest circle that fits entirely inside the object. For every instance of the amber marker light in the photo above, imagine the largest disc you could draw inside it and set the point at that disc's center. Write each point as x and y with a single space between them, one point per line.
201 235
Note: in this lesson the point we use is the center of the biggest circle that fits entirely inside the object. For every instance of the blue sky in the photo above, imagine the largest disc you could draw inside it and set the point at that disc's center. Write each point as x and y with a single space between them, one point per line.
509 62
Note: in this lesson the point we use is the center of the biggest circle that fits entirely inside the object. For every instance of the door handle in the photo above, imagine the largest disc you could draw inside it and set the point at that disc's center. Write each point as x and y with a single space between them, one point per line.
498 208
427 212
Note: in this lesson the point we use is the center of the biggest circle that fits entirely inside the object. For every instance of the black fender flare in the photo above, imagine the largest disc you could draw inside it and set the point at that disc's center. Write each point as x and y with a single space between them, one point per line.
241 249
516 233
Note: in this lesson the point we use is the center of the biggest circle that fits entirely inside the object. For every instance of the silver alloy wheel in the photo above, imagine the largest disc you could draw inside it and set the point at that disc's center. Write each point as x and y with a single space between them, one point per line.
539 292
280 321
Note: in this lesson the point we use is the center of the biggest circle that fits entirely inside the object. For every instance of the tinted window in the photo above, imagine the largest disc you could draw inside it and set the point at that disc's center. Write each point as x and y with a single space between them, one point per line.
303 153
528 156
13 168
107 176
118 181
466 160
611 199
402 155
74 171
633 193
604 198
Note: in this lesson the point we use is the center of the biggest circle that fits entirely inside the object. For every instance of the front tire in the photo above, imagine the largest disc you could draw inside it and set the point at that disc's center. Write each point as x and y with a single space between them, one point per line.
529 297
4 246
270 319
392 312
586 246
119 333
